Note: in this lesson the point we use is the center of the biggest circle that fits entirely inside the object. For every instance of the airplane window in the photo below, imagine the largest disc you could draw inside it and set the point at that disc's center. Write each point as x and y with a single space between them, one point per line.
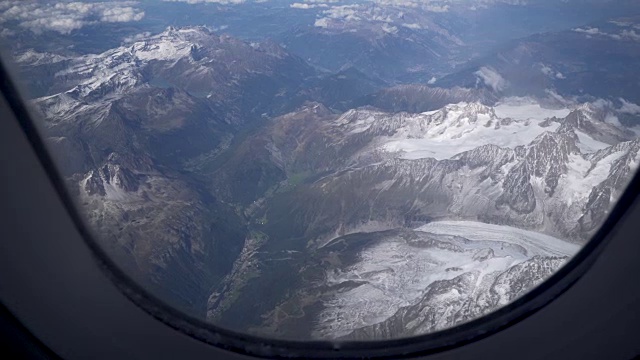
335 169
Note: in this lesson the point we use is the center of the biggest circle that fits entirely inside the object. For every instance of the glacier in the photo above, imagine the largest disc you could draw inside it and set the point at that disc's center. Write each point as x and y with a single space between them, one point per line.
398 271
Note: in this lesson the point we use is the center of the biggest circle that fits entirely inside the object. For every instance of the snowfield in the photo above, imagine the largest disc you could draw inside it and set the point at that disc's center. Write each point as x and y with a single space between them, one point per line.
456 128
396 272
526 109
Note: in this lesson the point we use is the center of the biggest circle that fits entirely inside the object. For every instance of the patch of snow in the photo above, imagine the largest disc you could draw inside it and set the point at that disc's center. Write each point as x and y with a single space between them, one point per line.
582 176
587 144
525 109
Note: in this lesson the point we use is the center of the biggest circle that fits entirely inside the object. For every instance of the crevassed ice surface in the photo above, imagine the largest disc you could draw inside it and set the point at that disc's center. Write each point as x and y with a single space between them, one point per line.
343 170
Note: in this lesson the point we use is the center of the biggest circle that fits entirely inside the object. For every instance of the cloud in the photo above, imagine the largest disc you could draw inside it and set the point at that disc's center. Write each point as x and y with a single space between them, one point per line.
444 5
547 70
221 2
631 34
437 8
306 6
389 29
412 26
491 78
554 96
64 17
621 23
322 23
588 31
428 5
624 35
134 38
7 33
629 107
121 14
345 12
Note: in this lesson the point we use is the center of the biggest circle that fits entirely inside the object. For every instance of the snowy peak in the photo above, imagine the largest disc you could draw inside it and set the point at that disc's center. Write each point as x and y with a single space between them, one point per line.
463 113
466 112
450 130
592 127
118 177
548 155
34 58
187 55
209 68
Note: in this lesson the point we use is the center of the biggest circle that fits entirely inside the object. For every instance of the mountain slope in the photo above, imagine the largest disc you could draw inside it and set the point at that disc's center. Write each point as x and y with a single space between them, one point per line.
552 178
594 60
129 123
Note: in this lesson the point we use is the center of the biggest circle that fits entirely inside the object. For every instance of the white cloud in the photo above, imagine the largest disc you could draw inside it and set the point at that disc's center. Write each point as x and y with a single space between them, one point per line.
491 78
221 2
554 96
7 33
322 23
629 107
625 34
547 70
345 12
121 14
437 8
65 17
602 104
612 120
134 38
588 31
432 80
428 5
401 3
412 26
631 34
389 29
305 6
621 23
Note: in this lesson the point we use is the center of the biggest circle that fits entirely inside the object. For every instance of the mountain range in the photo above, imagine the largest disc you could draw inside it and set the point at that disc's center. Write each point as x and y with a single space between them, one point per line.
285 188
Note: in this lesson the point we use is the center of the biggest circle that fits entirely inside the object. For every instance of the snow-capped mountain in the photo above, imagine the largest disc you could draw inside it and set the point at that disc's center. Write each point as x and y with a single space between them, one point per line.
125 123
207 66
383 176
519 170
216 168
